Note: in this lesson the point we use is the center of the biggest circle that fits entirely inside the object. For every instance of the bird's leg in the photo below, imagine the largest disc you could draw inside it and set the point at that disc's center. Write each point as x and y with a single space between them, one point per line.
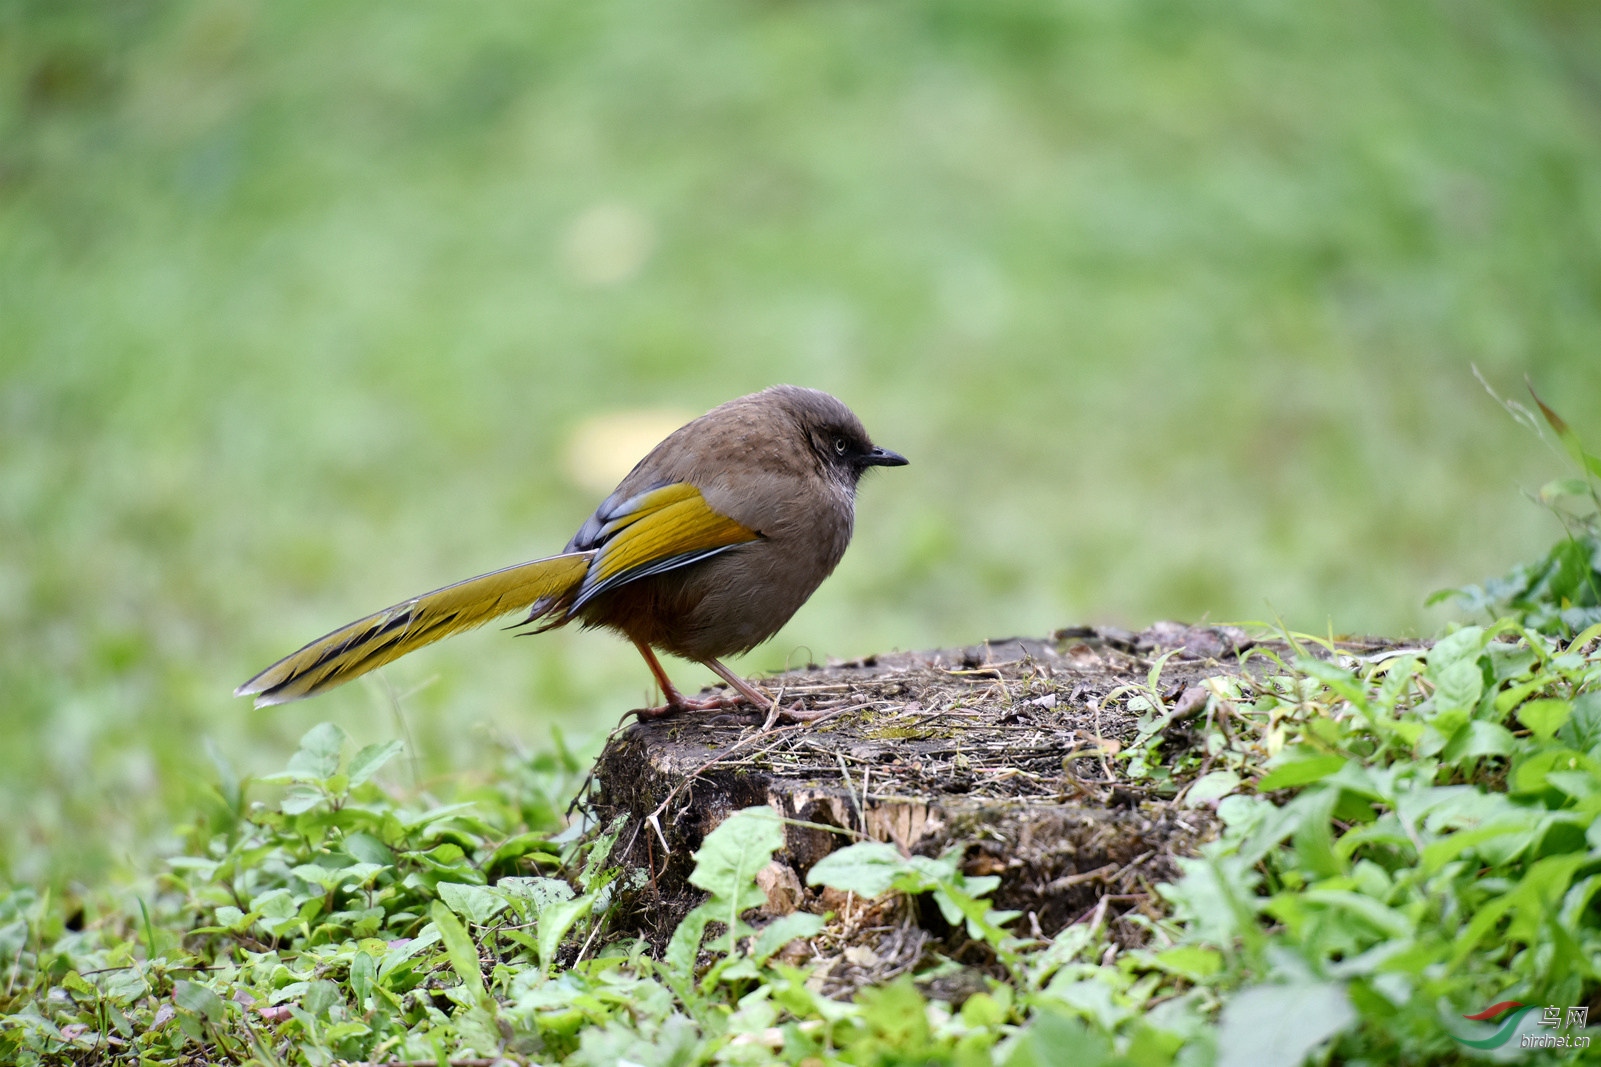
762 700
677 701
741 686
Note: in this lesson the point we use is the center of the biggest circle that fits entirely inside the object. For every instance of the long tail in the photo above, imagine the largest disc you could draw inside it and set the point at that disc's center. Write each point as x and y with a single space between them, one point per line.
366 644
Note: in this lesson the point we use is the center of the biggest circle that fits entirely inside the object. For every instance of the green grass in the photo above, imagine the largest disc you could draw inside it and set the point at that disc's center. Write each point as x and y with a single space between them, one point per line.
1406 839
1171 307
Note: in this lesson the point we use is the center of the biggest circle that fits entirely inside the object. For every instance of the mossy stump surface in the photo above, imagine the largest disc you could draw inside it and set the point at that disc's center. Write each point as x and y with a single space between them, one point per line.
1003 750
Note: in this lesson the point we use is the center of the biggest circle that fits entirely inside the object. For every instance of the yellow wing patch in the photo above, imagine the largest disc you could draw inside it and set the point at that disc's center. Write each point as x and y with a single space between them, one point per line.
664 528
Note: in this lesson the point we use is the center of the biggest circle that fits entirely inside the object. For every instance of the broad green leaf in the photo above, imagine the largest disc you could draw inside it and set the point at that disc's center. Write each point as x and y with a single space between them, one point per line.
554 921
725 866
1376 914
367 762
319 751
1297 765
518 846
368 849
1457 646
320 996
727 861
780 932
459 948
534 895
124 986
1514 837
683 949
475 903
1086 996
301 798
1583 728
1210 787
1544 717
1531 903
1190 961
1577 899
1280 1025
1053 1038
194 997
399 953
1529 775
1458 684
1479 738
1215 896
363 976
1314 837
1514 695
866 868
324 878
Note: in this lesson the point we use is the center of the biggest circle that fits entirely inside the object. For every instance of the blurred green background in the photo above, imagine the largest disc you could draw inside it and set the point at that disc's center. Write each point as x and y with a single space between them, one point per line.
305 308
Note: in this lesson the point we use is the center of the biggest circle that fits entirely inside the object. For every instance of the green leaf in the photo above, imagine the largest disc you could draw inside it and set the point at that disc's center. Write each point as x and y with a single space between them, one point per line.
866 868
1458 683
518 846
534 895
459 948
122 986
367 762
475 903
1529 775
1583 728
320 996
199 999
683 949
555 920
1280 1025
742 844
1298 765
300 799
1210 787
1544 717
725 866
73 982
1511 838
319 751
1190 961
1479 738
780 932
1055 1039
324 878
368 849
1386 920
1314 837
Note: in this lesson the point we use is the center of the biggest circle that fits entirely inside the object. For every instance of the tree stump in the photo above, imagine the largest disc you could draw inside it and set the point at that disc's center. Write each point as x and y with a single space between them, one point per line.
1002 750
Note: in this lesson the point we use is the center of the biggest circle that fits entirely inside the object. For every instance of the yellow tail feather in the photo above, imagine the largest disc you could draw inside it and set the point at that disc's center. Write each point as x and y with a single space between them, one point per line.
368 643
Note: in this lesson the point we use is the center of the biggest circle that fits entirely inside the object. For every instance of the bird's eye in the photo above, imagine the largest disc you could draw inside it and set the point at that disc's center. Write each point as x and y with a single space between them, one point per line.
840 446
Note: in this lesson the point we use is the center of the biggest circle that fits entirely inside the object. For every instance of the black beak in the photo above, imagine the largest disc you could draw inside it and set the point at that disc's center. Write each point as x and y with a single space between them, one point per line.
883 457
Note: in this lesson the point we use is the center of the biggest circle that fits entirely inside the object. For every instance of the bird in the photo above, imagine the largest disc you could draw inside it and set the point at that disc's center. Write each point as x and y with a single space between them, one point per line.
704 550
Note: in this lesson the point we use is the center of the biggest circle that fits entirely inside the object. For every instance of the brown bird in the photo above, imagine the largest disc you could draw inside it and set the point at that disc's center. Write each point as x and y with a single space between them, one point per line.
704 550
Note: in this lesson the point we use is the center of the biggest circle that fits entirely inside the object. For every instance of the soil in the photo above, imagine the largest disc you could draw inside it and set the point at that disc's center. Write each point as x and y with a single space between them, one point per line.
1003 751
